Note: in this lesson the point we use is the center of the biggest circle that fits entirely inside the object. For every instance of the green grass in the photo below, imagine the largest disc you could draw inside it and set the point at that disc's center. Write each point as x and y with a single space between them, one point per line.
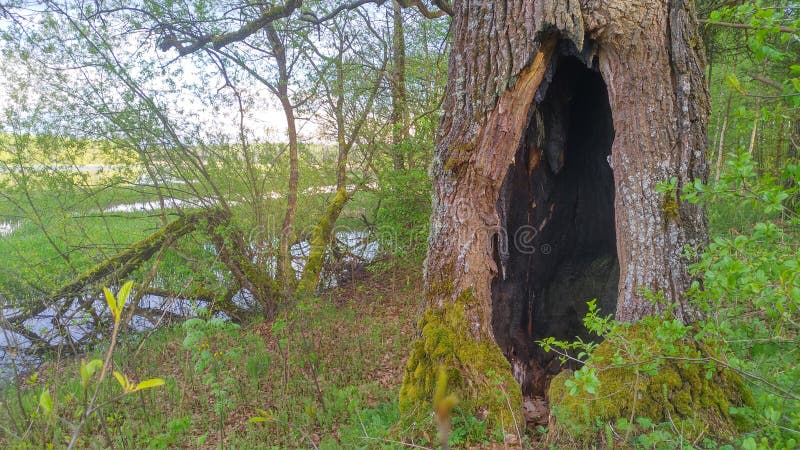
328 372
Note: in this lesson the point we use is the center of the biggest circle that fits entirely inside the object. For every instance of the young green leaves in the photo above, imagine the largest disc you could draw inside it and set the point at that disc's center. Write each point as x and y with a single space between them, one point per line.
88 370
128 386
117 304
46 401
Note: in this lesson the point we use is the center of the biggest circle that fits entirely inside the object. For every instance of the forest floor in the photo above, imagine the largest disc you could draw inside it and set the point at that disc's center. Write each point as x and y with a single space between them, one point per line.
326 374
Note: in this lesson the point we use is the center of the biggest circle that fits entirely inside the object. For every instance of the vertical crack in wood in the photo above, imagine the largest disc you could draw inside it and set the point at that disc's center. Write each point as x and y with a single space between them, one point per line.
556 244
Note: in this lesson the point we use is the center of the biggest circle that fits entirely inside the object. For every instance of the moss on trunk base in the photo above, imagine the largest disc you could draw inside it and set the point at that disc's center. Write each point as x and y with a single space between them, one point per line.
477 372
677 386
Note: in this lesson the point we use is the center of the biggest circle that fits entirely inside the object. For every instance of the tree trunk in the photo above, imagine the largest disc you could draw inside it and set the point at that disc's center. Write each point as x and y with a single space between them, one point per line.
285 272
399 109
721 146
560 120
321 237
323 231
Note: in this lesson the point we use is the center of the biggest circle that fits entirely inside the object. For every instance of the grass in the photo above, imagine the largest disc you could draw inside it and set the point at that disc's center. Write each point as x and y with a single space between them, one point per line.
325 373
57 217
85 242
328 373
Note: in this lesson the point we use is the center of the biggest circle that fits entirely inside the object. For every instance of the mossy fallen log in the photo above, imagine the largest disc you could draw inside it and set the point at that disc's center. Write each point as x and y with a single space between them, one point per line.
121 264
678 384
128 260
234 250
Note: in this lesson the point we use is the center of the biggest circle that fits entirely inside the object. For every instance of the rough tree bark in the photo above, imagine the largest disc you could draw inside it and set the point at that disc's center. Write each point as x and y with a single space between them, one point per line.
535 210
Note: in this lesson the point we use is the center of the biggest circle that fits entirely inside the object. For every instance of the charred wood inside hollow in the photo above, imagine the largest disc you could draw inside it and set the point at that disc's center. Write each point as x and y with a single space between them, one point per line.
557 246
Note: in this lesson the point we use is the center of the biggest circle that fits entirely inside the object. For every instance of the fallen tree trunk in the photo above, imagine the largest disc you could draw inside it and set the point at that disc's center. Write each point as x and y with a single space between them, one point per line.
121 264
128 260
235 252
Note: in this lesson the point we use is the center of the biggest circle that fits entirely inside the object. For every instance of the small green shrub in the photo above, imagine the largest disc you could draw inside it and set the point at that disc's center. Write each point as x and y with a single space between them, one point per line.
748 292
214 360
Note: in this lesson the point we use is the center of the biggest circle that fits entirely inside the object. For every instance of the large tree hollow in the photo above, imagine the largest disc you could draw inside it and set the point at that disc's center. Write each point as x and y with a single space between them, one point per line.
557 245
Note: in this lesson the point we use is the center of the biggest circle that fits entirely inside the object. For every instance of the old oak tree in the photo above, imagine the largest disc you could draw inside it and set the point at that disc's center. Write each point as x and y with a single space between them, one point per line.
560 120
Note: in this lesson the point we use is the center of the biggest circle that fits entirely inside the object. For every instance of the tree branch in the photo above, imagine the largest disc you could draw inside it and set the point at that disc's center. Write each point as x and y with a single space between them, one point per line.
268 16
310 17
444 8
768 81
248 29
743 26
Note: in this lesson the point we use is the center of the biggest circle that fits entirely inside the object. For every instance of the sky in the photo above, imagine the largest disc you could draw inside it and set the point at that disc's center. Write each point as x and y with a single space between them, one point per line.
188 87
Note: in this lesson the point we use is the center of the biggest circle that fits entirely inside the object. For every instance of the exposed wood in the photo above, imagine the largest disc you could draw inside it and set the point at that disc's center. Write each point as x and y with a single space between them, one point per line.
753 134
721 145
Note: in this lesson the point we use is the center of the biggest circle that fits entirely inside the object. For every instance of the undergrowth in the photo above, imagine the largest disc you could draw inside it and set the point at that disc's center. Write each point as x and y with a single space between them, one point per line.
327 373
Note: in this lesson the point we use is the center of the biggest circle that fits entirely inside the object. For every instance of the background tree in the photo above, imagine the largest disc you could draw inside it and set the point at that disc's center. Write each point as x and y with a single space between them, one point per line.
753 72
351 80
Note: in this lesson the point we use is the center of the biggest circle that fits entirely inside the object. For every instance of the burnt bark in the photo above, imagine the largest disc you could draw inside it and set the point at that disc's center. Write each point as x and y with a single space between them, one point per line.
560 120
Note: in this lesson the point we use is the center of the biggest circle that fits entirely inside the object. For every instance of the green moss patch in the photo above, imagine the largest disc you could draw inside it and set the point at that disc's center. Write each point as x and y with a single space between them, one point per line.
671 383
477 372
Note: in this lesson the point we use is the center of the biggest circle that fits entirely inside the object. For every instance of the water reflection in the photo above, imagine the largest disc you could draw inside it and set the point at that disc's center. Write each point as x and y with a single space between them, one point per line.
79 323
6 228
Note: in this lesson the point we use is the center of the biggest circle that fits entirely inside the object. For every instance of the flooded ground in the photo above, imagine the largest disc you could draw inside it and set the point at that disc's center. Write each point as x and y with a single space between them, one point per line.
80 324
153 205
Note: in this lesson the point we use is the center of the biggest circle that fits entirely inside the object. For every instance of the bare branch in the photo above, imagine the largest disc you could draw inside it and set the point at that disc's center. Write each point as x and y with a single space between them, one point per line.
248 29
444 8
768 81
743 26
268 16
311 18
